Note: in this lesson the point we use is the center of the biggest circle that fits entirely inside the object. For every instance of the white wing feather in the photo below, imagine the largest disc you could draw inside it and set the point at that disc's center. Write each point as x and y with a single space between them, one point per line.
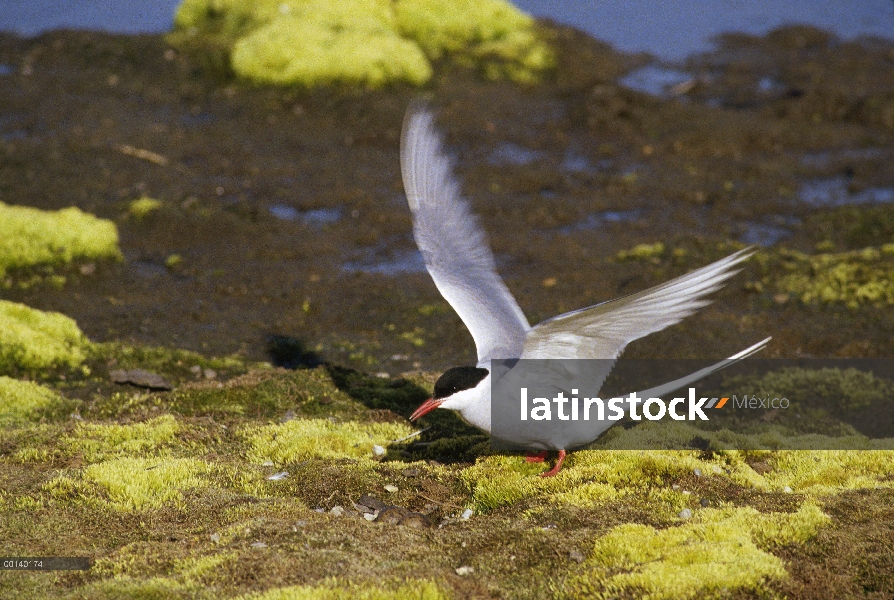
454 246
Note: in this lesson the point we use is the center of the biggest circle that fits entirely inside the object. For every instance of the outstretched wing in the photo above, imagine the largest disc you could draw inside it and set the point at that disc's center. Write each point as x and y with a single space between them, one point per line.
454 246
603 330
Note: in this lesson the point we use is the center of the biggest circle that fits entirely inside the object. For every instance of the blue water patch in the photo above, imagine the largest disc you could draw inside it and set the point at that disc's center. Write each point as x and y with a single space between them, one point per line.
835 191
654 79
513 154
762 234
316 216
404 261
574 162
826 157
596 220
6 70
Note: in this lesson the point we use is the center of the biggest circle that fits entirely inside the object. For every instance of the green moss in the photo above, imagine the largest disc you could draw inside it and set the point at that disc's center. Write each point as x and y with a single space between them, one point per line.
98 441
365 42
313 51
31 339
849 389
143 207
139 483
155 588
409 590
642 252
301 439
29 237
719 551
492 33
21 401
853 278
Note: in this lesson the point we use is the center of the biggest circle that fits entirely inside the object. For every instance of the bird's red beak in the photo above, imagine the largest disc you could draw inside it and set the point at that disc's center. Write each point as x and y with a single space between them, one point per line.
425 408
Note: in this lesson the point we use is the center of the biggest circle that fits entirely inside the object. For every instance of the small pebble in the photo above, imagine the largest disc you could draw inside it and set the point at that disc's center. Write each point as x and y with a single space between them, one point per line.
267 463
390 488
576 556
704 502
717 469
209 373
466 514
675 486
371 516
278 476
259 545
685 514
378 450
410 472
464 570
382 375
787 490
686 492
215 537
336 511
697 472
290 414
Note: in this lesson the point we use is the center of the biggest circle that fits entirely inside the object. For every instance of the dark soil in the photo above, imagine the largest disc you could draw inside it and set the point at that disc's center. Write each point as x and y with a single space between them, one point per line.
698 169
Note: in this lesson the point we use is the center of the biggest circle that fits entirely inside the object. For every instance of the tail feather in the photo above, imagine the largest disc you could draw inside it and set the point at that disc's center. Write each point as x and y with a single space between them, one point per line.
672 386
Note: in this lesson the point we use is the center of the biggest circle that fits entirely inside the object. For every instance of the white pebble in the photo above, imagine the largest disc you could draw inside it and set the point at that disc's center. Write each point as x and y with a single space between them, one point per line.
215 537
697 472
259 545
336 511
464 570
278 476
378 450
685 514
787 490
390 488
371 516
267 463
467 514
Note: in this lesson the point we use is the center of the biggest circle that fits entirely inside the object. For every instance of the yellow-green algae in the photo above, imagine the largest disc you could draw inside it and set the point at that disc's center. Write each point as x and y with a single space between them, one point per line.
369 42
855 278
596 477
323 42
21 401
301 439
642 252
30 236
720 550
334 590
96 441
143 207
32 339
137 483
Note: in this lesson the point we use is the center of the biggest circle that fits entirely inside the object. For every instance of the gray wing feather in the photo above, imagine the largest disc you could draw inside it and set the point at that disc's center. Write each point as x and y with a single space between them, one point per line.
454 246
604 330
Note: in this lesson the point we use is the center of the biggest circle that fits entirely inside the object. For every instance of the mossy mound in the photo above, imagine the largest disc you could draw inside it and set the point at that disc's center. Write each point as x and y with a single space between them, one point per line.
23 400
31 339
410 590
143 207
364 42
137 483
856 278
719 551
301 439
29 237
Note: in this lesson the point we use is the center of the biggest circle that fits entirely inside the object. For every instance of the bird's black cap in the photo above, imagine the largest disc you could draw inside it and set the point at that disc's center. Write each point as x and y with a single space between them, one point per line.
458 379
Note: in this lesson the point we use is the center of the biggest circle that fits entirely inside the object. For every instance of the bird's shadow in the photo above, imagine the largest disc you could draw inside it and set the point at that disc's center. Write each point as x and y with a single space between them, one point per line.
445 437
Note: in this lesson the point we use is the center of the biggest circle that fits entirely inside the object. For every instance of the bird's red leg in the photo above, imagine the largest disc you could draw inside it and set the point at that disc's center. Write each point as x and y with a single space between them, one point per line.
536 457
552 472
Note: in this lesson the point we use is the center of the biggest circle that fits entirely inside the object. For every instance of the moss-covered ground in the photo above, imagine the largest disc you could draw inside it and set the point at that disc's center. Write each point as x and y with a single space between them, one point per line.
265 277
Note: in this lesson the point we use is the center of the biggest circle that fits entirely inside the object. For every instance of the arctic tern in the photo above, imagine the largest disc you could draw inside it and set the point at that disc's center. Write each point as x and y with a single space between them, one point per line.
461 264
